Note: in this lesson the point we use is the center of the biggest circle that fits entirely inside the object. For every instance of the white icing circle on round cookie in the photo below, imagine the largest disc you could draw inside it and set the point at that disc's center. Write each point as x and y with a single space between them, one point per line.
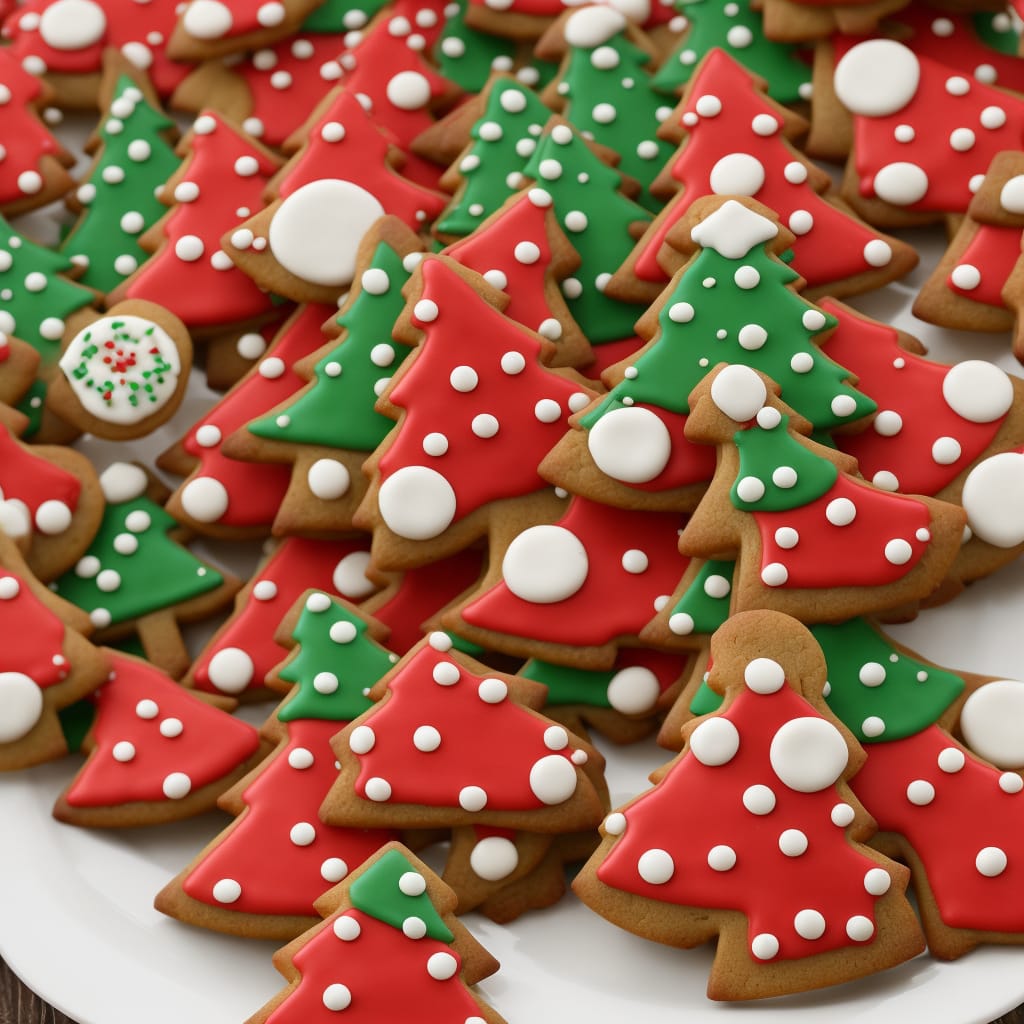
978 391
993 498
231 670
21 705
901 183
494 858
205 499
122 369
592 26
207 19
349 576
992 722
633 690
416 502
630 444
739 392
877 77
328 479
808 754
316 231
738 174
72 24
545 564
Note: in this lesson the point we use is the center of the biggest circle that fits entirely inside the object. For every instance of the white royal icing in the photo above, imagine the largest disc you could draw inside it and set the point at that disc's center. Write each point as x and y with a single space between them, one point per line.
877 77
992 723
21 705
808 754
630 444
545 564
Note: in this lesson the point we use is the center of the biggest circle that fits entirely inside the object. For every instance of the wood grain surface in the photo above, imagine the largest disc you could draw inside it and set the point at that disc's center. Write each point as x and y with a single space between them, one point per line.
18 1005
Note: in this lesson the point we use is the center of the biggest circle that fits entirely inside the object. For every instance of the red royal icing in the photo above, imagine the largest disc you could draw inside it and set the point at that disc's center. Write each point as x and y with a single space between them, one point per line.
33 635
994 250
205 289
278 875
611 601
298 564
148 732
985 816
699 808
32 480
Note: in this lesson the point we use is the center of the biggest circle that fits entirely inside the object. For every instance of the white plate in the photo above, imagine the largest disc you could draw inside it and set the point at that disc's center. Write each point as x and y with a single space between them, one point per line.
77 923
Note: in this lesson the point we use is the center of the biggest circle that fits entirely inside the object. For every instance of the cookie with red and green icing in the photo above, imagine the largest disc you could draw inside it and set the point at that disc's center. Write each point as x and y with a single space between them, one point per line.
763 846
389 941
50 503
812 538
432 491
118 198
123 374
238 659
733 139
235 884
228 497
322 434
137 578
423 756
219 183
343 176
156 752
46 664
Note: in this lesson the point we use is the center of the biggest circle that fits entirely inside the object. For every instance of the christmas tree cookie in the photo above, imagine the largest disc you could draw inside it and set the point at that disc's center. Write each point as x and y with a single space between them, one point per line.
220 181
734 140
389 941
343 177
459 412
227 497
811 538
239 657
753 834
134 156
261 876
46 664
216 28
574 591
156 753
628 446
423 755
605 89
137 578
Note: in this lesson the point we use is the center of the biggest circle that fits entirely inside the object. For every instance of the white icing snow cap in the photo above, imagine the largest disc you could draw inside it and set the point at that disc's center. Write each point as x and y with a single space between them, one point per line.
733 230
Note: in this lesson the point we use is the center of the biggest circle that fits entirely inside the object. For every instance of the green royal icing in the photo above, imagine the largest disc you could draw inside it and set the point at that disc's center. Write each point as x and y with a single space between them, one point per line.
377 892
997 30
75 722
760 326
31 405
768 455
341 15
120 194
159 574
619 108
579 183
466 56
356 663
338 411
493 167
704 604
732 26
570 685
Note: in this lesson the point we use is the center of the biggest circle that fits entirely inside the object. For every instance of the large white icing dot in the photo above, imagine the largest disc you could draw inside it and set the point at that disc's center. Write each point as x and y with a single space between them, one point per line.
189 248
417 503
991 861
738 174
877 77
764 946
53 517
300 758
656 866
809 924
993 498
715 742
231 670
759 799
808 754
592 26
122 481
877 881
342 632
553 779
408 90
763 675
21 705
978 391
739 392
494 858
1011 195
205 499
840 512
630 444
877 253
992 722
207 19
328 479
633 690
316 231
901 183
72 24
350 578
545 564
494 691
227 890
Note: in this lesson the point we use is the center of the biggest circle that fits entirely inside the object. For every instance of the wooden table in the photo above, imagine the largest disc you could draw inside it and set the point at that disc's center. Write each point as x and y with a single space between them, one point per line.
18 1005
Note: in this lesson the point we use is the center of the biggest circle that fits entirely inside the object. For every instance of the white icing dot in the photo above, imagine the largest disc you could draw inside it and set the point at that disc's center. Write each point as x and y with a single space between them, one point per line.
877 881
860 928
492 691
494 858
877 78
417 503
764 946
343 632
721 858
189 248
991 861
759 799
123 751
231 670
426 739
378 789
485 425
545 564
991 722
793 842
808 754
655 866
842 815
302 833
333 870
337 997
898 551
901 183
472 798
877 253
227 890
205 499
715 742
951 760
920 792
300 758
328 479
809 924
22 703
737 174
442 966
72 24
177 786
775 574
763 675
553 779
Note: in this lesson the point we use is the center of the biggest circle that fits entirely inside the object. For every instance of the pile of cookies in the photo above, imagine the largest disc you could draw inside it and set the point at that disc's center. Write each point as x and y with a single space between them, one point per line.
720 483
